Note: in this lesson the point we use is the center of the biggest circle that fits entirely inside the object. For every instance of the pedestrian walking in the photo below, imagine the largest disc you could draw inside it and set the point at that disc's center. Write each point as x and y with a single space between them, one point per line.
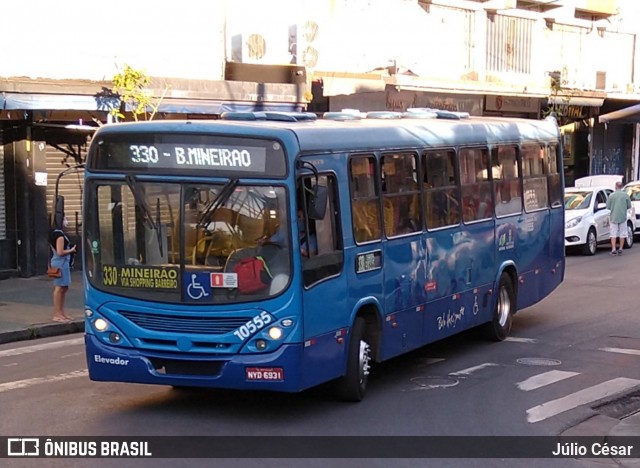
62 252
618 203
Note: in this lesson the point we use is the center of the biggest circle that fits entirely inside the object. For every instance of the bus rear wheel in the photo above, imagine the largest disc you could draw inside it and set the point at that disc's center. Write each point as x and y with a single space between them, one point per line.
353 385
500 326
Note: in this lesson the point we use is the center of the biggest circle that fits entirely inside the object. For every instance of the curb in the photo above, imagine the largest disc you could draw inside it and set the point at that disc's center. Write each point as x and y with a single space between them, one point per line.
41 331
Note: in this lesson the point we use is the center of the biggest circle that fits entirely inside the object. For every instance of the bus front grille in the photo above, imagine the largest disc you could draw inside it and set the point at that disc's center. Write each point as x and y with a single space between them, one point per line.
184 324
177 367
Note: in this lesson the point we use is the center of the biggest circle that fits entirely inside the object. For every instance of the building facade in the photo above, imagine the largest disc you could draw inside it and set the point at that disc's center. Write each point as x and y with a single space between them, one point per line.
521 58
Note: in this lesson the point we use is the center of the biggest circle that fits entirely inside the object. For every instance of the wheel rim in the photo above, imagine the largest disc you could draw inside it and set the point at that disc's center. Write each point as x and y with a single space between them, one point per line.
629 236
504 307
364 358
592 242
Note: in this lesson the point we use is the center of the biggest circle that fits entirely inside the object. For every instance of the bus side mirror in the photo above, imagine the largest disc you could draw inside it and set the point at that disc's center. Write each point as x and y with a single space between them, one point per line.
317 202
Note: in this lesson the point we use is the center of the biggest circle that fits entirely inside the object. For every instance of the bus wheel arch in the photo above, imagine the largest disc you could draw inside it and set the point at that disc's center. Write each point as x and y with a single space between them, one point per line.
362 349
504 308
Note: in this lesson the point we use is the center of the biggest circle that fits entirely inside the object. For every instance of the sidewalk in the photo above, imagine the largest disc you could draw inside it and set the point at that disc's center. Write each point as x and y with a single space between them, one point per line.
26 309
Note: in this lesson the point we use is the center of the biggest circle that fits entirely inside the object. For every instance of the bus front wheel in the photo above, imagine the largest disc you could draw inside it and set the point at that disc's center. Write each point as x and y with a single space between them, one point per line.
500 326
353 385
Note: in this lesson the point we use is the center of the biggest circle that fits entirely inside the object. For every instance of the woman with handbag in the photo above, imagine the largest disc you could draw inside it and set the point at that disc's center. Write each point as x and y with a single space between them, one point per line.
62 250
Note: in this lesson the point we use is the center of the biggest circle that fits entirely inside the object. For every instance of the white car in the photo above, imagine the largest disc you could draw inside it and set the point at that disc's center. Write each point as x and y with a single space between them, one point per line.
587 219
633 190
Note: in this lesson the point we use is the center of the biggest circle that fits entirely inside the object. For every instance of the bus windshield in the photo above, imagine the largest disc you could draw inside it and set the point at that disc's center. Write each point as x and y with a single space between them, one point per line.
185 242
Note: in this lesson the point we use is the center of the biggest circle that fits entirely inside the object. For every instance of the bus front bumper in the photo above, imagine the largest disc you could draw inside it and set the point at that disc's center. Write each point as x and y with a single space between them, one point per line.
278 371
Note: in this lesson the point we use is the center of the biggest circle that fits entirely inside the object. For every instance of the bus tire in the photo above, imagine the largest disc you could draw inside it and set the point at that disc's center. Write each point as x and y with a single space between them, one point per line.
500 326
352 386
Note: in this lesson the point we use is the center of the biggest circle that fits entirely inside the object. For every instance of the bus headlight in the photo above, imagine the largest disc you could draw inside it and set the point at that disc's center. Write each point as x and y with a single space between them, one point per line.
88 313
275 333
100 324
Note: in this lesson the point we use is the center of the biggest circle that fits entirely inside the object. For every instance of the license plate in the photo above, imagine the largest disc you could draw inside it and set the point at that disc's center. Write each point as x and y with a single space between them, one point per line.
264 373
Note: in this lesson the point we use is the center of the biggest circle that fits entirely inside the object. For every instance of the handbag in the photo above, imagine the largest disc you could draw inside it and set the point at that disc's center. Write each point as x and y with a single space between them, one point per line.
54 272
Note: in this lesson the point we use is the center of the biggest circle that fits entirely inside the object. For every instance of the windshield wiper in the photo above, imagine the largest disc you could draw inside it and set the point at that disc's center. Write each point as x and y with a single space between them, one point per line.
132 182
159 227
140 201
216 203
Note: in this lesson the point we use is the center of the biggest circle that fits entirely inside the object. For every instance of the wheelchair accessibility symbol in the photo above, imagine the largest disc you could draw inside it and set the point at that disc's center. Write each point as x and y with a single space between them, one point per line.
198 286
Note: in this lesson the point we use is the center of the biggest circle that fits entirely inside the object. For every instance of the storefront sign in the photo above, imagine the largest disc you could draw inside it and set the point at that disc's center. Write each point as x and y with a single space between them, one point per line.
399 99
519 104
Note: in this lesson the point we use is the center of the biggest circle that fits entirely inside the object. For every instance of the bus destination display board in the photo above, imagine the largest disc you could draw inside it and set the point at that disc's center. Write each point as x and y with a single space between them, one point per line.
179 154
172 156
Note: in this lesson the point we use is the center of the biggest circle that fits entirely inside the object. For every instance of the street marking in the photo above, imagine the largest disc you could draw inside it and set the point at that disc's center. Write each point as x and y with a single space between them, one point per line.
41 347
429 361
5 387
554 407
635 352
520 340
546 378
471 370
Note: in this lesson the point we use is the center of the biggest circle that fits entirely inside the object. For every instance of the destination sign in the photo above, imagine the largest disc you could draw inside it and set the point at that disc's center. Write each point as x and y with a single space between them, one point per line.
140 277
166 153
246 158
368 261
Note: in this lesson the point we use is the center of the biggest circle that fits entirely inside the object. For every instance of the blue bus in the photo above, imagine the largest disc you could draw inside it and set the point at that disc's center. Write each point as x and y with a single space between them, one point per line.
280 251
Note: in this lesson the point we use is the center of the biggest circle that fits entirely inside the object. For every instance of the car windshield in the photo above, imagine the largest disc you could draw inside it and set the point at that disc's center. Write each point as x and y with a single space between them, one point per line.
633 191
183 242
577 200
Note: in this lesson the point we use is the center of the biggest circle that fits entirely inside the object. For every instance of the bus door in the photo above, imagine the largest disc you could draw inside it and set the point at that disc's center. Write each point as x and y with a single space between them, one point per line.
535 229
404 254
325 310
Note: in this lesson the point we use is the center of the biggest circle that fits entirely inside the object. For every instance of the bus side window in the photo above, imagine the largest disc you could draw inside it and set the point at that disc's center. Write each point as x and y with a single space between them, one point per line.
477 203
320 239
400 194
441 200
554 180
506 178
365 208
534 179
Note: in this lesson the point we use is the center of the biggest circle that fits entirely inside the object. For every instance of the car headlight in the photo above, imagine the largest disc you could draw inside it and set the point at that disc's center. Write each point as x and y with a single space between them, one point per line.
573 222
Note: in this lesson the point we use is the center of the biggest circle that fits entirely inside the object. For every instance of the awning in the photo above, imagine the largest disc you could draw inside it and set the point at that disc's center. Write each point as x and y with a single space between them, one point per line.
19 101
628 114
576 101
207 106
32 101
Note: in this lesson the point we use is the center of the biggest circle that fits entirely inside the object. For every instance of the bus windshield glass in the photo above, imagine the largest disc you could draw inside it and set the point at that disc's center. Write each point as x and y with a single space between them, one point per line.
187 242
